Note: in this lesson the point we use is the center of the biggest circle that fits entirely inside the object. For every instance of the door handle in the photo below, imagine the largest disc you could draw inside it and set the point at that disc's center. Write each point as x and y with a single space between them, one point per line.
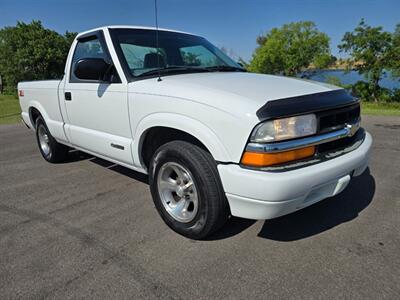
68 96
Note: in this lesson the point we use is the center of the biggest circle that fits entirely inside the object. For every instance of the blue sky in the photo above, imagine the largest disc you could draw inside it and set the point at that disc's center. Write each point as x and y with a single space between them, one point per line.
233 24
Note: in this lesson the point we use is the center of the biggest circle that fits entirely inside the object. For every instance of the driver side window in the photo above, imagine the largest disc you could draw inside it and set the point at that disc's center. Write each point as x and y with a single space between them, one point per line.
90 47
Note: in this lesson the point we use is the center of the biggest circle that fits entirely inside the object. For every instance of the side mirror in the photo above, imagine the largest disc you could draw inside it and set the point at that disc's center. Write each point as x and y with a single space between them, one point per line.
92 69
240 64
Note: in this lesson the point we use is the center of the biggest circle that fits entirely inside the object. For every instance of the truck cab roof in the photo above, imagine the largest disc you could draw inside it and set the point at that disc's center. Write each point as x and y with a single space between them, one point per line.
130 27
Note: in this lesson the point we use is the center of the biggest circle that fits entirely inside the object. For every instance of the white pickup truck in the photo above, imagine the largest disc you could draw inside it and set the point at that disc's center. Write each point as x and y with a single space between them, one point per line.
215 140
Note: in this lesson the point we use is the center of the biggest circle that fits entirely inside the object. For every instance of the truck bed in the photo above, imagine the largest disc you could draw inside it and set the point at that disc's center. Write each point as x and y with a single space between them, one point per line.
44 96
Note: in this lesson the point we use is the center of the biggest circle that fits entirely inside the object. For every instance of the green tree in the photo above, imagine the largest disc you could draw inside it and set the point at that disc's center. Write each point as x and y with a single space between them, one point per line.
290 49
69 38
395 53
372 51
323 61
32 52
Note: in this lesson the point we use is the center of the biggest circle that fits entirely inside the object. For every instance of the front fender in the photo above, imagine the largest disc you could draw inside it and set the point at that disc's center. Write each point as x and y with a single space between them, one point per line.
191 126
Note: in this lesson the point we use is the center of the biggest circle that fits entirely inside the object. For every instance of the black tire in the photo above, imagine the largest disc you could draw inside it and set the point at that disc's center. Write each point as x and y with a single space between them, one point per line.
57 152
213 208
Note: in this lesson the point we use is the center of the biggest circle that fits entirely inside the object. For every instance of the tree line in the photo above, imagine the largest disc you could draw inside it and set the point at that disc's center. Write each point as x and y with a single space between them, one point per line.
294 47
32 52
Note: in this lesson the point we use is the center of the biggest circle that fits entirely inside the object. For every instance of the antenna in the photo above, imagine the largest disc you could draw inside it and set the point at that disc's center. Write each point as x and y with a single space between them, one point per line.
158 54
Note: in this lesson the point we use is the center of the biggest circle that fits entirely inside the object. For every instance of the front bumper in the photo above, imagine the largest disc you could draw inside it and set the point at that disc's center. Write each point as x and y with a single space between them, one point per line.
264 195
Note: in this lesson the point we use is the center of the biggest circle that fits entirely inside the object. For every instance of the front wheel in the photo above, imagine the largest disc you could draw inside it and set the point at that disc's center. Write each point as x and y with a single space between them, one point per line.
187 190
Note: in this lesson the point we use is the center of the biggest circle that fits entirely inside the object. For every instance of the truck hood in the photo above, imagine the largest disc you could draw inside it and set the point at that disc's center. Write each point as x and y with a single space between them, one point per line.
234 92
255 87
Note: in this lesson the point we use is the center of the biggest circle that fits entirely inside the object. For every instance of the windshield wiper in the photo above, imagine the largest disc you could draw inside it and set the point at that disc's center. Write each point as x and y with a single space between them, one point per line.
177 69
224 68
173 69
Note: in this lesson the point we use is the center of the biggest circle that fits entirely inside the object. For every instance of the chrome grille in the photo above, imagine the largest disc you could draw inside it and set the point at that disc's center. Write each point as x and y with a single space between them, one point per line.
338 118
332 120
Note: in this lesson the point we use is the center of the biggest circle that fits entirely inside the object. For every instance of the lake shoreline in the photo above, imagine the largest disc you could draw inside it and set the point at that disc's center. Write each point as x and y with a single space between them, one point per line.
348 77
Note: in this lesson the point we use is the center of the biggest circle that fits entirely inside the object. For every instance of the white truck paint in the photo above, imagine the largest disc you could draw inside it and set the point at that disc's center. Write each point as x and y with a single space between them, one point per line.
217 108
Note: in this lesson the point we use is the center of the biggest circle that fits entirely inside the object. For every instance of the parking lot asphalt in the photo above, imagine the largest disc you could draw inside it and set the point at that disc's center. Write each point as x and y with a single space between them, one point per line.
88 229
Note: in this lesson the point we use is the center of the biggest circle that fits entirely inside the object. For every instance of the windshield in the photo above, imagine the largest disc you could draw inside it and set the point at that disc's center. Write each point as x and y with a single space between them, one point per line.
176 52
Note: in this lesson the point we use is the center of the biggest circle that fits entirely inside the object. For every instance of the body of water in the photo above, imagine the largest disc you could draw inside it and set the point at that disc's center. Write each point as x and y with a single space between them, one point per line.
352 77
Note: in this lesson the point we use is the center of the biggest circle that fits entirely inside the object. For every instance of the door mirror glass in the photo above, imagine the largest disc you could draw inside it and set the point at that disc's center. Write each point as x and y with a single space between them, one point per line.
92 69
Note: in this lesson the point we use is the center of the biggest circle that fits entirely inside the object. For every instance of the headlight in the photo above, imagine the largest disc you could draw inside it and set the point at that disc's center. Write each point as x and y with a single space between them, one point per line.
283 129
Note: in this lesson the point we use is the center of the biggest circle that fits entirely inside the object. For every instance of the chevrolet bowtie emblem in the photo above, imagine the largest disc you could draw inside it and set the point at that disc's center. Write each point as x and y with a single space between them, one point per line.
353 128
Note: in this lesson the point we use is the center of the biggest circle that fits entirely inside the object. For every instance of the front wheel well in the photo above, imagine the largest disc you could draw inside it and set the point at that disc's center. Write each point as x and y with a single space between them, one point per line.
155 137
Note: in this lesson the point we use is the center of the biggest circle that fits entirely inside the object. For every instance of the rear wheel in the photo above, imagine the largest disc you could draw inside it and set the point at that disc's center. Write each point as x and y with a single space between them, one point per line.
51 150
187 190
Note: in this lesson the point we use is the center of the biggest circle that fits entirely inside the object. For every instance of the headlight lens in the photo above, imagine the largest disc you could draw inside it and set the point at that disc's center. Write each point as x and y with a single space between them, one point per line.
284 129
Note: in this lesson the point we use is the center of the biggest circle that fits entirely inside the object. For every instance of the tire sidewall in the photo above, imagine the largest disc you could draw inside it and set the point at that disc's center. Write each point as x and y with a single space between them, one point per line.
196 226
41 122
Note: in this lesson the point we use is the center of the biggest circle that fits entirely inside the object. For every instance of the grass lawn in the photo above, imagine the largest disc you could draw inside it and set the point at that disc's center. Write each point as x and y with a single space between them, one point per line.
383 109
9 109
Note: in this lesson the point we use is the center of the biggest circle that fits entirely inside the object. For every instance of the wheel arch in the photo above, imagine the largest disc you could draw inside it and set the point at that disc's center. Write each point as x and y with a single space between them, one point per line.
35 110
34 113
190 129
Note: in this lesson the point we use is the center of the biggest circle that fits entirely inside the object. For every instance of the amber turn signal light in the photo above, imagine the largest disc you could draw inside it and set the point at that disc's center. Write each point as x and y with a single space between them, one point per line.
256 159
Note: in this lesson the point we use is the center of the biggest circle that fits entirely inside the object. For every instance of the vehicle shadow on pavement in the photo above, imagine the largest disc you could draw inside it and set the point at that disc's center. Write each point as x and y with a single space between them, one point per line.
324 215
121 170
231 228
304 223
76 155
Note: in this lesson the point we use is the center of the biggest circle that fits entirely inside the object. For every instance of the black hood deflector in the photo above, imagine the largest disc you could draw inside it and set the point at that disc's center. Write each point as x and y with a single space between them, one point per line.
305 104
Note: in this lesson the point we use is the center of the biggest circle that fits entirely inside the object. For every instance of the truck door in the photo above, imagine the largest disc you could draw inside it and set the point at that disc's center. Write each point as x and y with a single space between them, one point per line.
97 116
